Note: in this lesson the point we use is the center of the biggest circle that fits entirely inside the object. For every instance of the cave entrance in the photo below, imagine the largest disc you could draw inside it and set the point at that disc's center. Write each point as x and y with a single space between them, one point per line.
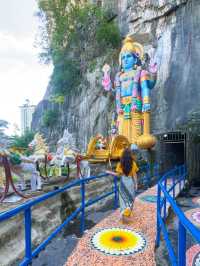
173 145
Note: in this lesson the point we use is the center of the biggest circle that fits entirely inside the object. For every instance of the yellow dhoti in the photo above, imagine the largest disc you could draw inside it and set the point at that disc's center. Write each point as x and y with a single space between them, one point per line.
2 176
130 128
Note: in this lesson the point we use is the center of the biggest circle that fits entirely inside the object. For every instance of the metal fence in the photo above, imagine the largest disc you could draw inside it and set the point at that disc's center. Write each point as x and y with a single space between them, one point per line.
165 199
26 210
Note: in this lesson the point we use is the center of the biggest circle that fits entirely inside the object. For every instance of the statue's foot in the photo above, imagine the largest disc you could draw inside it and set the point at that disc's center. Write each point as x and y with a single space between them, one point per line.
39 188
21 187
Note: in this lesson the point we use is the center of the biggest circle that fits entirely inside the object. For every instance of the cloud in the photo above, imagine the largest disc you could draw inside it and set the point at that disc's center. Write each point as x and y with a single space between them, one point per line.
20 49
21 75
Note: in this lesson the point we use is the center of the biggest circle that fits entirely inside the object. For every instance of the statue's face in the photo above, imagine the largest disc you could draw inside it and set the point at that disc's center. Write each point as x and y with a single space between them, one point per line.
128 60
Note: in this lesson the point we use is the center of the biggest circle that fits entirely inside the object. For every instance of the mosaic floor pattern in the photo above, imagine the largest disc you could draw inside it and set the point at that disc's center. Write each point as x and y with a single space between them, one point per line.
196 200
194 216
149 198
193 256
118 241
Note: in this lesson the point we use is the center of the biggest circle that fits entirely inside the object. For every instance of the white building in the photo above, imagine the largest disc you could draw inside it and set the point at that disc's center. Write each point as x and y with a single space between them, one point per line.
26 112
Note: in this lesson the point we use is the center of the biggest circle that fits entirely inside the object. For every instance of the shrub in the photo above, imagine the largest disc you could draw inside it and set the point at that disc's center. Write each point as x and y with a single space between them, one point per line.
107 35
60 99
22 142
50 117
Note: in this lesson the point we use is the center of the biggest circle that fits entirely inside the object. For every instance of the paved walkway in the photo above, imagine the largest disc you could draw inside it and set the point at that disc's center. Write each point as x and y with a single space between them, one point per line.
143 221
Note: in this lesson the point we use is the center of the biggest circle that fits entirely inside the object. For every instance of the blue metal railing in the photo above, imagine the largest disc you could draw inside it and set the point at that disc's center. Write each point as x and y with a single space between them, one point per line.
26 210
177 176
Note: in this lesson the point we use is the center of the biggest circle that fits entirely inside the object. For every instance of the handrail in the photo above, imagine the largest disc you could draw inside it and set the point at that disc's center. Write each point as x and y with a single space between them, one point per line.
25 208
178 175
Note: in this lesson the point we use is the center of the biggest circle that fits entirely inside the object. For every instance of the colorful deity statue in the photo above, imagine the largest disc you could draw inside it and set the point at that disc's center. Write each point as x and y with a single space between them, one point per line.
40 147
132 87
101 142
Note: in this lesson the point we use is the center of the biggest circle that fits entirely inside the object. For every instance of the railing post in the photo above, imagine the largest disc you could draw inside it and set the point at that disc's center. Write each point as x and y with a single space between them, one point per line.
82 206
179 177
181 245
165 202
156 172
116 193
184 173
28 246
158 213
173 184
149 175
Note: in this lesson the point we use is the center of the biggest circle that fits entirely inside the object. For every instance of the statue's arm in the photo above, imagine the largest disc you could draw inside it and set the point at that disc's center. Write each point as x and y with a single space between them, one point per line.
153 69
106 80
117 85
145 89
135 90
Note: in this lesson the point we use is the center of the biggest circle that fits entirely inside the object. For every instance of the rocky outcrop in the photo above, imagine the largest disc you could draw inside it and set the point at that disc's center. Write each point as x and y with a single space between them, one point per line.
85 112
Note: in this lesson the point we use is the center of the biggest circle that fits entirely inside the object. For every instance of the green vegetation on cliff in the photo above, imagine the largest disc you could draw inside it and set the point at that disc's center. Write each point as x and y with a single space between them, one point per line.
50 118
72 36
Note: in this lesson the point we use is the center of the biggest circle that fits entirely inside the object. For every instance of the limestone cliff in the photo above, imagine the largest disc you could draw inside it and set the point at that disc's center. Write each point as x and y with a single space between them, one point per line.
169 30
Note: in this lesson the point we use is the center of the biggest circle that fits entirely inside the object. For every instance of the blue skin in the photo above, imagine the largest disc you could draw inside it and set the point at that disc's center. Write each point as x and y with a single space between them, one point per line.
129 60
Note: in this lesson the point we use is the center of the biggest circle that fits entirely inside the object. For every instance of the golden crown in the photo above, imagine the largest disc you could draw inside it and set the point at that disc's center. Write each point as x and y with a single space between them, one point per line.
130 46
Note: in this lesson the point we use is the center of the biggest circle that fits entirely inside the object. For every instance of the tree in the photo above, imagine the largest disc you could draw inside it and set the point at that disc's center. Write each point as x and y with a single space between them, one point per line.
4 139
50 118
22 142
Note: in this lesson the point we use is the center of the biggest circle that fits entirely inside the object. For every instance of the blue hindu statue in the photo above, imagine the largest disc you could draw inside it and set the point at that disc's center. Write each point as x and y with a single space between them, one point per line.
132 87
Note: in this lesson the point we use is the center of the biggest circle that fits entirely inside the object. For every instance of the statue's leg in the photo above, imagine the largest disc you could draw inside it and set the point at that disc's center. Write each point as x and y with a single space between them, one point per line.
60 170
127 129
2 176
124 127
51 171
88 170
22 182
19 172
120 120
34 182
136 126
39 182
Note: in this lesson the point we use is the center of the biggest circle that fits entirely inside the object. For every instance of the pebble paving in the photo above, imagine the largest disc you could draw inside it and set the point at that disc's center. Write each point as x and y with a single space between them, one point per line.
143 220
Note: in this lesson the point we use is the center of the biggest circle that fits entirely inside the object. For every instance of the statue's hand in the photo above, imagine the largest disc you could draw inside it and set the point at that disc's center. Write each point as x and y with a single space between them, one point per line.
146 107
153 68
106 68
120 111
106 81
133 107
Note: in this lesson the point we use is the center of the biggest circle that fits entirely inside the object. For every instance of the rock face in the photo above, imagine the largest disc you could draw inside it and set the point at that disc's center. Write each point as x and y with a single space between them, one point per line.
170 32
85 112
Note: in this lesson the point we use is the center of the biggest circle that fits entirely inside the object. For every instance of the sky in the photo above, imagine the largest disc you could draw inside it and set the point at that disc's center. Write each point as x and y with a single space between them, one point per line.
21 75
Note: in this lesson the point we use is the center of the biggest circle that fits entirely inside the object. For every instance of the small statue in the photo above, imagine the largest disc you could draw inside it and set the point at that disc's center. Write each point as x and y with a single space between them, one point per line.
101 142
114 127
106 82
132 87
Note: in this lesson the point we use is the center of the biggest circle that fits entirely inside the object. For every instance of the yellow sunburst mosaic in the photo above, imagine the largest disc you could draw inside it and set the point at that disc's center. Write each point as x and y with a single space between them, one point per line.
118 241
